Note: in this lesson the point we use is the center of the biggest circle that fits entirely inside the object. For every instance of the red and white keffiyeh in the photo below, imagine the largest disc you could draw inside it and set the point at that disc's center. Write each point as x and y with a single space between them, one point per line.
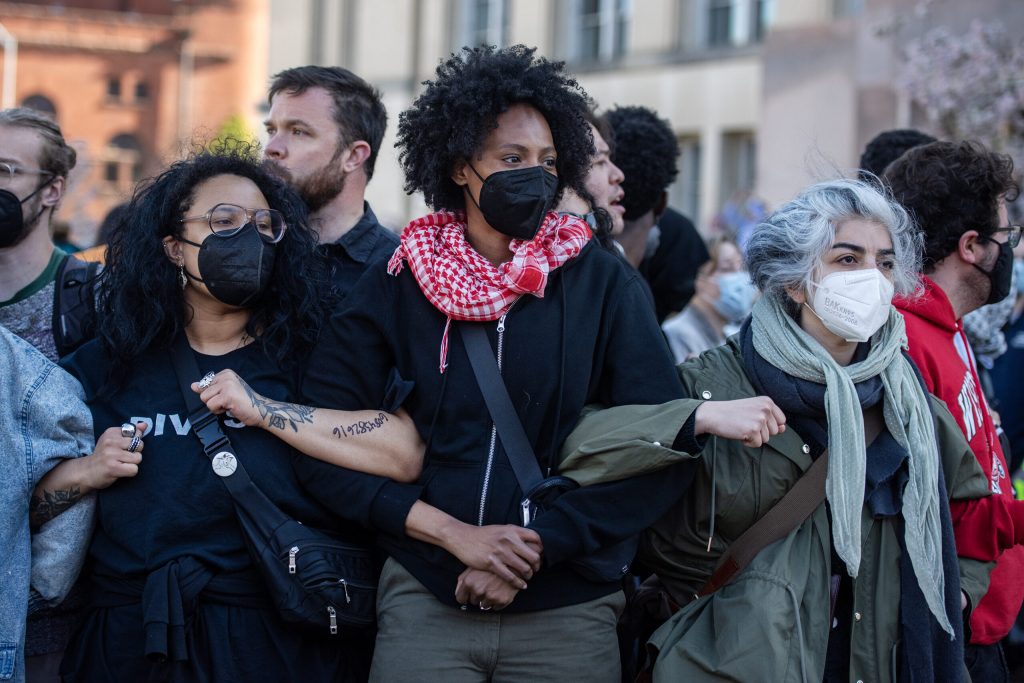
464 285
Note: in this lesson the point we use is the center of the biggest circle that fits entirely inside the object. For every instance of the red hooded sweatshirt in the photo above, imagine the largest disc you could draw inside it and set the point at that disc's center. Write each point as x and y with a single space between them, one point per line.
985 528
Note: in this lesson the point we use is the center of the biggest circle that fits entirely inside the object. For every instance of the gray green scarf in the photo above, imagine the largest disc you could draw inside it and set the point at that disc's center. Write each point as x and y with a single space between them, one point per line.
784 344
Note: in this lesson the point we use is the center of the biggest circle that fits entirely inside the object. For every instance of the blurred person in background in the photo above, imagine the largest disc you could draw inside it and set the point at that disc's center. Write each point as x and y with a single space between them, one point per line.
1008 375
887 147
723 299
660 242
740 215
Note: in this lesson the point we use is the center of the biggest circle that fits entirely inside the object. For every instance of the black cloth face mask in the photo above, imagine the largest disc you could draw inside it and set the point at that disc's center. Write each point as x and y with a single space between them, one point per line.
235 269
12 222
1001 275
514 202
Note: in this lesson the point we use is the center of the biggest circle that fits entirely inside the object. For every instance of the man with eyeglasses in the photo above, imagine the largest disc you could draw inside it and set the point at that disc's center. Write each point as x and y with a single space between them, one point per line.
957 193
34 165
324 128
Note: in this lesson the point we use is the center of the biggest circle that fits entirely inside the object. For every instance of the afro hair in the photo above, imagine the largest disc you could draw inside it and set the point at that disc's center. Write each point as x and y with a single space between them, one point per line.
456 111
887 147
646 150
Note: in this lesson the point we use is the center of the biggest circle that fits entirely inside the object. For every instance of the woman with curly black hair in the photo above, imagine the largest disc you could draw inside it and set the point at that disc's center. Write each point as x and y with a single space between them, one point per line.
214 251
491 143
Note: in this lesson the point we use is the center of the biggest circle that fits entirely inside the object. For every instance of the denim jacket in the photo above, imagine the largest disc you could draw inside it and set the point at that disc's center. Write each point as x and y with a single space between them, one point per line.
44 420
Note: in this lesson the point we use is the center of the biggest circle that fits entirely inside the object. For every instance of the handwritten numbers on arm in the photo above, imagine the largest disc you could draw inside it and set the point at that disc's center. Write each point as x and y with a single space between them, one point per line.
360 427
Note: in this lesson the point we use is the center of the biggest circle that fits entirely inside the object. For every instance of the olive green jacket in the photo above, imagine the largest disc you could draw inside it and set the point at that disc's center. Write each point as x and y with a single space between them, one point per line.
771 622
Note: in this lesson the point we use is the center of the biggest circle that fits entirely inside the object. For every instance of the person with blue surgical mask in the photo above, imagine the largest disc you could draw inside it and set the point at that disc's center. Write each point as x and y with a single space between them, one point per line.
723 298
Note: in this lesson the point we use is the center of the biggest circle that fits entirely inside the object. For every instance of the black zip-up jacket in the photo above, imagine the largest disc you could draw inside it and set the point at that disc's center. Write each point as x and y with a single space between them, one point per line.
592 339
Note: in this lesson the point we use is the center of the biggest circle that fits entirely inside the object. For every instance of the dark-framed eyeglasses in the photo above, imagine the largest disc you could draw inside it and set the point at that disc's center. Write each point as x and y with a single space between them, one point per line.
226 220
1013 237
9 171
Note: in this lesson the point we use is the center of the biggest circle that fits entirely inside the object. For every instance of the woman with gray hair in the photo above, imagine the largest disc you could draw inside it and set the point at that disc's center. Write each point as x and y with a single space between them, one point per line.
865 583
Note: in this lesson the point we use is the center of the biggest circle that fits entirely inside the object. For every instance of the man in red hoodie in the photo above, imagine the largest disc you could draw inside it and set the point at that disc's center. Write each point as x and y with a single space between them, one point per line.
957 193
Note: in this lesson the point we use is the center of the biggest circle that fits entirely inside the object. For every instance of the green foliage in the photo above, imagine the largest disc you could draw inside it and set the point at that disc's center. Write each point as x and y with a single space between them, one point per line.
234 136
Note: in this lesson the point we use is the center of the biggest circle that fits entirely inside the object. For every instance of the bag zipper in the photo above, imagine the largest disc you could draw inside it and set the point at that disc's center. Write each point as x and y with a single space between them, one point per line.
494 427
333 614
291 558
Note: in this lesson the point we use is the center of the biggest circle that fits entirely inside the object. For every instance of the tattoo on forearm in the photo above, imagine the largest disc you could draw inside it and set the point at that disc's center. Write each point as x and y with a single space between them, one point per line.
280 414
360 427
42 509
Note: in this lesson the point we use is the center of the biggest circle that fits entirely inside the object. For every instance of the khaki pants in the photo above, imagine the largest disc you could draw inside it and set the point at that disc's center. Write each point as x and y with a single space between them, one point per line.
421 639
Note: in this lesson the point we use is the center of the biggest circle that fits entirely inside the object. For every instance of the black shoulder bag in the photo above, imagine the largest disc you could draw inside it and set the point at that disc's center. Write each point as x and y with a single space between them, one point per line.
606 565
314 579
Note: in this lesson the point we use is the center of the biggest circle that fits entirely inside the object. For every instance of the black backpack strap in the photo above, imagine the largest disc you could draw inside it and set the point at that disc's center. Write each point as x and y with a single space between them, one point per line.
206 426
499 404
74 304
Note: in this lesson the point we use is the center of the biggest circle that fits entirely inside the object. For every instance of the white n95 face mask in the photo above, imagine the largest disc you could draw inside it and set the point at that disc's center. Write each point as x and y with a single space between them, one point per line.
853 305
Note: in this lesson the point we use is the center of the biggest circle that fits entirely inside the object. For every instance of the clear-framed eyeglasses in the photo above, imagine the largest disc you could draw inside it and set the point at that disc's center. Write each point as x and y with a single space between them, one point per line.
226 220
9 171
1013 238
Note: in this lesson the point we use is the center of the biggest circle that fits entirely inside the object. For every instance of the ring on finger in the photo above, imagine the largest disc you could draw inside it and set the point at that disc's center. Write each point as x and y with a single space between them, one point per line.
484 608
206 381
128 429
134 445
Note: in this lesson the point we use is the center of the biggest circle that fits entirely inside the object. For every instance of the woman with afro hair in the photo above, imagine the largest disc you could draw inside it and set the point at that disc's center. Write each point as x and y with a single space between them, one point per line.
491 143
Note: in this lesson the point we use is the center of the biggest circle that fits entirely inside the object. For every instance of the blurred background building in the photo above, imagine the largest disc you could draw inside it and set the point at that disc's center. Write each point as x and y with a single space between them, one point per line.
132 83
765 95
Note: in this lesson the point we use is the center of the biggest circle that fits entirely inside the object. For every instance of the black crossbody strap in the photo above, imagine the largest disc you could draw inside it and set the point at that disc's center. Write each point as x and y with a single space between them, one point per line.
786 515
506 420
215 442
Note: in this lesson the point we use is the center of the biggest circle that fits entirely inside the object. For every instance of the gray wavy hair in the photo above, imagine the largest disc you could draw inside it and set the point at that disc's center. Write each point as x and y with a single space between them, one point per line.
786 248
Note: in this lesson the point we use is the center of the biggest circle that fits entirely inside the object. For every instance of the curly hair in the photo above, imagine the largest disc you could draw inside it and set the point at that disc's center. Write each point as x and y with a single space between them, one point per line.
456 111
141 303
646 150
950 188
887 147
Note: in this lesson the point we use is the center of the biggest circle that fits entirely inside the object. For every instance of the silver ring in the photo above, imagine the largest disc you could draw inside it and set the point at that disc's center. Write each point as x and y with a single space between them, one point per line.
207 380
134 445
485 609
127 429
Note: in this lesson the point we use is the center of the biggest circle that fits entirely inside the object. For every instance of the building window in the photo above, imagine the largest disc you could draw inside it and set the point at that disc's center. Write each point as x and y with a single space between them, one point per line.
141 92
122 162
42 104
719 22
847 8
684 194
483 22
739 164
736 22
114 88
598 29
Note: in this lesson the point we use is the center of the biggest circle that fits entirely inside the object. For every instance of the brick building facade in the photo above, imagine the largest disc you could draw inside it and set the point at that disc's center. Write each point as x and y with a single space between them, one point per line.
133 83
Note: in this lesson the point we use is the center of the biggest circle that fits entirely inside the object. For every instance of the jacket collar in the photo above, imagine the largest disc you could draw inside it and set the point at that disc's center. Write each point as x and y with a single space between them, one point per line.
360 241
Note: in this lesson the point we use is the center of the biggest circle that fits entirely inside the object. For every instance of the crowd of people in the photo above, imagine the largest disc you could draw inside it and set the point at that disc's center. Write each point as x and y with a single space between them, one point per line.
575 441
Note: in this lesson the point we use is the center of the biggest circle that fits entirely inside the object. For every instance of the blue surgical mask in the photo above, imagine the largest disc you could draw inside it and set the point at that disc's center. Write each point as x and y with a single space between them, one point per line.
736 294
